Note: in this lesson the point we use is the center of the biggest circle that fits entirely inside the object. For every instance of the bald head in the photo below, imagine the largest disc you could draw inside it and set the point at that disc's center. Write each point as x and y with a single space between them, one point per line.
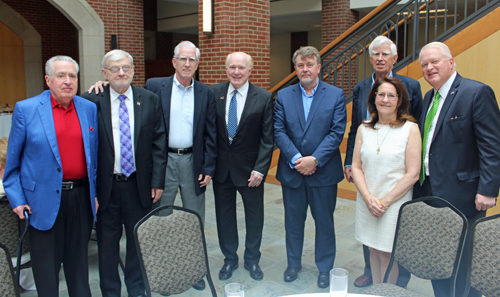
238 68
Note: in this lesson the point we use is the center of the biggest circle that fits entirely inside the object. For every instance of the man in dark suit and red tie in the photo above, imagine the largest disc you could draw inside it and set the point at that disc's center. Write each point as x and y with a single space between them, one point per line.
51 171
383 55
244 152
131 171
460 126
309 124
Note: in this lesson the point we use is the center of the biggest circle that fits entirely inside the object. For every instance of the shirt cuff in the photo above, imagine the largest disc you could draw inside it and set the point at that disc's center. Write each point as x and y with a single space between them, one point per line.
258 173
294 159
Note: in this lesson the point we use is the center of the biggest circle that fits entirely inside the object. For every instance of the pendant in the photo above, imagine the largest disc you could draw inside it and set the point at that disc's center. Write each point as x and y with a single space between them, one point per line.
378 150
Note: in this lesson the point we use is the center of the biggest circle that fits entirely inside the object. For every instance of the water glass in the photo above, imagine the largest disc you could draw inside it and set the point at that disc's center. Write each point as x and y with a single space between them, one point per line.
234 290
338 282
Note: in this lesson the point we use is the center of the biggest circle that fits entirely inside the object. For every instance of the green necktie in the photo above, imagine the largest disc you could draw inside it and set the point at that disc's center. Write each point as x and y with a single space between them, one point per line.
427 126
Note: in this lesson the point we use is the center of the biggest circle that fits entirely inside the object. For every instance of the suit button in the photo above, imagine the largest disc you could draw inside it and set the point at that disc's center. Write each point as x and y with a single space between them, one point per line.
58 169
57 191
304 141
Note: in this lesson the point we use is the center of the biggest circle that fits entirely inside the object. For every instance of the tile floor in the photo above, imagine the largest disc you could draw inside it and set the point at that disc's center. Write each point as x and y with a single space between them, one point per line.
273 262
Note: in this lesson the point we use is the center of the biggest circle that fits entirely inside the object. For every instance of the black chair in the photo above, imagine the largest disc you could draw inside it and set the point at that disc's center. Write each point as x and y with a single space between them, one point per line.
428 243
484 263
172 251
8 284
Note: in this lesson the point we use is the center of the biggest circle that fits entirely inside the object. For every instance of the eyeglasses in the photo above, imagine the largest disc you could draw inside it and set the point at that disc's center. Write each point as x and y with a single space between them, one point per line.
389 95
115 69
183 60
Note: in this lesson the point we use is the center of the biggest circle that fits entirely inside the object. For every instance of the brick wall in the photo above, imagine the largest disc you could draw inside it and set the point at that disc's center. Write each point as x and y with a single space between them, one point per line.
336 18
59 36
125 19
239 26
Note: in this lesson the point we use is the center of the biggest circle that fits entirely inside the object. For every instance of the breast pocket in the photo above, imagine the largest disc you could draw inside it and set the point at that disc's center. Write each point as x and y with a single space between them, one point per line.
456 125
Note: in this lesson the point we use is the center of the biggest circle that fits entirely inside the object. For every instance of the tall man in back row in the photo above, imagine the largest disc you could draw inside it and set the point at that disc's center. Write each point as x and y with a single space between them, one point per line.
131 171
309 124
460 129
383 56
244 152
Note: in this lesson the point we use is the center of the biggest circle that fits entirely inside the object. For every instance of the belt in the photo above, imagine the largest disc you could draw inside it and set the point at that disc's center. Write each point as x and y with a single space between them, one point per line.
180 151
121 177
71 183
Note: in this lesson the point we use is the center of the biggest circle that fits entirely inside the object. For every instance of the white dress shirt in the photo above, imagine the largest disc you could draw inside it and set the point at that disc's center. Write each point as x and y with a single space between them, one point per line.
180 134
241 98
115 122
443 92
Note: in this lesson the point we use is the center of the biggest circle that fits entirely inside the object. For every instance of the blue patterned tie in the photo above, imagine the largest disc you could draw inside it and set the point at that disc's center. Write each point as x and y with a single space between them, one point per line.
127 157
232 118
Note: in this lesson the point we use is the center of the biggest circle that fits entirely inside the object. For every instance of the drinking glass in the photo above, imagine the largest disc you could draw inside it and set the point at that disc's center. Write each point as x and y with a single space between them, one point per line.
338 282
234 290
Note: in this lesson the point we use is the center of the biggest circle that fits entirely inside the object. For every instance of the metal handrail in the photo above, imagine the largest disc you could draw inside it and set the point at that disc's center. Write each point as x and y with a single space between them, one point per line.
346 63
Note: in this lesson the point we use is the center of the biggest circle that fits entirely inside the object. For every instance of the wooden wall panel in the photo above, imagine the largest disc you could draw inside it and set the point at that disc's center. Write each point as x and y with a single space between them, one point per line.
12 80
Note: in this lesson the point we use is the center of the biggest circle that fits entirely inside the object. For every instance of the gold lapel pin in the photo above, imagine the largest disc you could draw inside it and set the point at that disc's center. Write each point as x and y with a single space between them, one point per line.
138 103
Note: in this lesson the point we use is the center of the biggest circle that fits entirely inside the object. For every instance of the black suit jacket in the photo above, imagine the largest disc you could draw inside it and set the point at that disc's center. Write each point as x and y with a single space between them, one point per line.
360 98
252 147
464 157
204 134
149 145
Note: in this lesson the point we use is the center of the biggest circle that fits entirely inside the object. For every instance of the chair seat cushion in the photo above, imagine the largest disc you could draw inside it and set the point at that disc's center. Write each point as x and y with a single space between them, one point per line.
389 290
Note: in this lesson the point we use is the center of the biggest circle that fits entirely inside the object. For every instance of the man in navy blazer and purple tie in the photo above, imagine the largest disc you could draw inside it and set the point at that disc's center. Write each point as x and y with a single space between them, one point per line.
460 126
51 171
309 125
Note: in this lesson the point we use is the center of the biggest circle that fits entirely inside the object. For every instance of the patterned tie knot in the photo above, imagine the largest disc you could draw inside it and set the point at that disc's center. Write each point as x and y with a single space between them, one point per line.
122 98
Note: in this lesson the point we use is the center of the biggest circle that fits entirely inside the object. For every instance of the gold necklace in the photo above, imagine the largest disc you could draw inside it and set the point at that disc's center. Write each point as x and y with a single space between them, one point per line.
378 149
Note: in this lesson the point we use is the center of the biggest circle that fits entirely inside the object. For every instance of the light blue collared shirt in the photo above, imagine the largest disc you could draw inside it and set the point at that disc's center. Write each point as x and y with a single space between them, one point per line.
306 102
180 134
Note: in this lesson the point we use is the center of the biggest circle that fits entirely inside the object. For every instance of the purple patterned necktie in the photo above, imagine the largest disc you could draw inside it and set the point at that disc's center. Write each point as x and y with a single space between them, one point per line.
127 157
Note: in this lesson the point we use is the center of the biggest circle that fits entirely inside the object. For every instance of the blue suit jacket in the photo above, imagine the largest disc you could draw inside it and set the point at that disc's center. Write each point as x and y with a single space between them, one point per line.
205 131
464 157
33 173
319 136
359 109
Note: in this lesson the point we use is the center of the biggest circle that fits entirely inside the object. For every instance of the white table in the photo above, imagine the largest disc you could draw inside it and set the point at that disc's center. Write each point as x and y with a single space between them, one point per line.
328 295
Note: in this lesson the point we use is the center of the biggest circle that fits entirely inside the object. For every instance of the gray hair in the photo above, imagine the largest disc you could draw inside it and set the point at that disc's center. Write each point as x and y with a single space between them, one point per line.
116 55
49 66
443 48
186 44
380 40
306 52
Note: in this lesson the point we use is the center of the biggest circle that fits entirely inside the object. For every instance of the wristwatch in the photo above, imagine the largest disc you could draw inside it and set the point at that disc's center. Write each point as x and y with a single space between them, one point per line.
315 160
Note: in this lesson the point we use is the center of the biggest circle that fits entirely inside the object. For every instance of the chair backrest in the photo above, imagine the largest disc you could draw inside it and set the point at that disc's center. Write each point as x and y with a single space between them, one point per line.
172 251
8 285
429 240
485 261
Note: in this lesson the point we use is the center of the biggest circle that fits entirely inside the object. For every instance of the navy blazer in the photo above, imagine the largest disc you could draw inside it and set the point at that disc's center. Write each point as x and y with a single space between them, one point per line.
149 144
464 156
360 98
204 129
33 173
320 136
252 147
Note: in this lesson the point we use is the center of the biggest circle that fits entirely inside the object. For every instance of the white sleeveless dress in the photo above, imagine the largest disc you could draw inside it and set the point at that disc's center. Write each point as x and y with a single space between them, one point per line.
382 172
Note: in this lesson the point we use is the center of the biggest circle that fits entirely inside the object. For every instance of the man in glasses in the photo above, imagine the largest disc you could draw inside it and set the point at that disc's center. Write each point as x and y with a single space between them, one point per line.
51 172
131 171
383 55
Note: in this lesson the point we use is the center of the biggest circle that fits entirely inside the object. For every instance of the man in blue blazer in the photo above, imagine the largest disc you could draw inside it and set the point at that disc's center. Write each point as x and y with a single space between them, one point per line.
189 113
51 171
383 55
460 129
309 124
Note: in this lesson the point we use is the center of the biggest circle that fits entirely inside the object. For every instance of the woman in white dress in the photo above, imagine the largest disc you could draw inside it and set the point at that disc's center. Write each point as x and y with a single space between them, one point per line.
386 165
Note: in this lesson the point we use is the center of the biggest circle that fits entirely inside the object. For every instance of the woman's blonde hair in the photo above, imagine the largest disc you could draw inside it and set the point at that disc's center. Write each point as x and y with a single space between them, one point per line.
3 150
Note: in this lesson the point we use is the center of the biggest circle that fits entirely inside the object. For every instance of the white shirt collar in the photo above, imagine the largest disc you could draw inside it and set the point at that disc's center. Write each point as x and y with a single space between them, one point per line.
242 91
114 95
445 88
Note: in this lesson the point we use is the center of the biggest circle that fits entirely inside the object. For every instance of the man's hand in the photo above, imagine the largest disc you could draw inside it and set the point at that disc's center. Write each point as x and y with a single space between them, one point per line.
204 180
156 194
98 86
255 179
96 204
306 165
484 202
347 173
19 210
